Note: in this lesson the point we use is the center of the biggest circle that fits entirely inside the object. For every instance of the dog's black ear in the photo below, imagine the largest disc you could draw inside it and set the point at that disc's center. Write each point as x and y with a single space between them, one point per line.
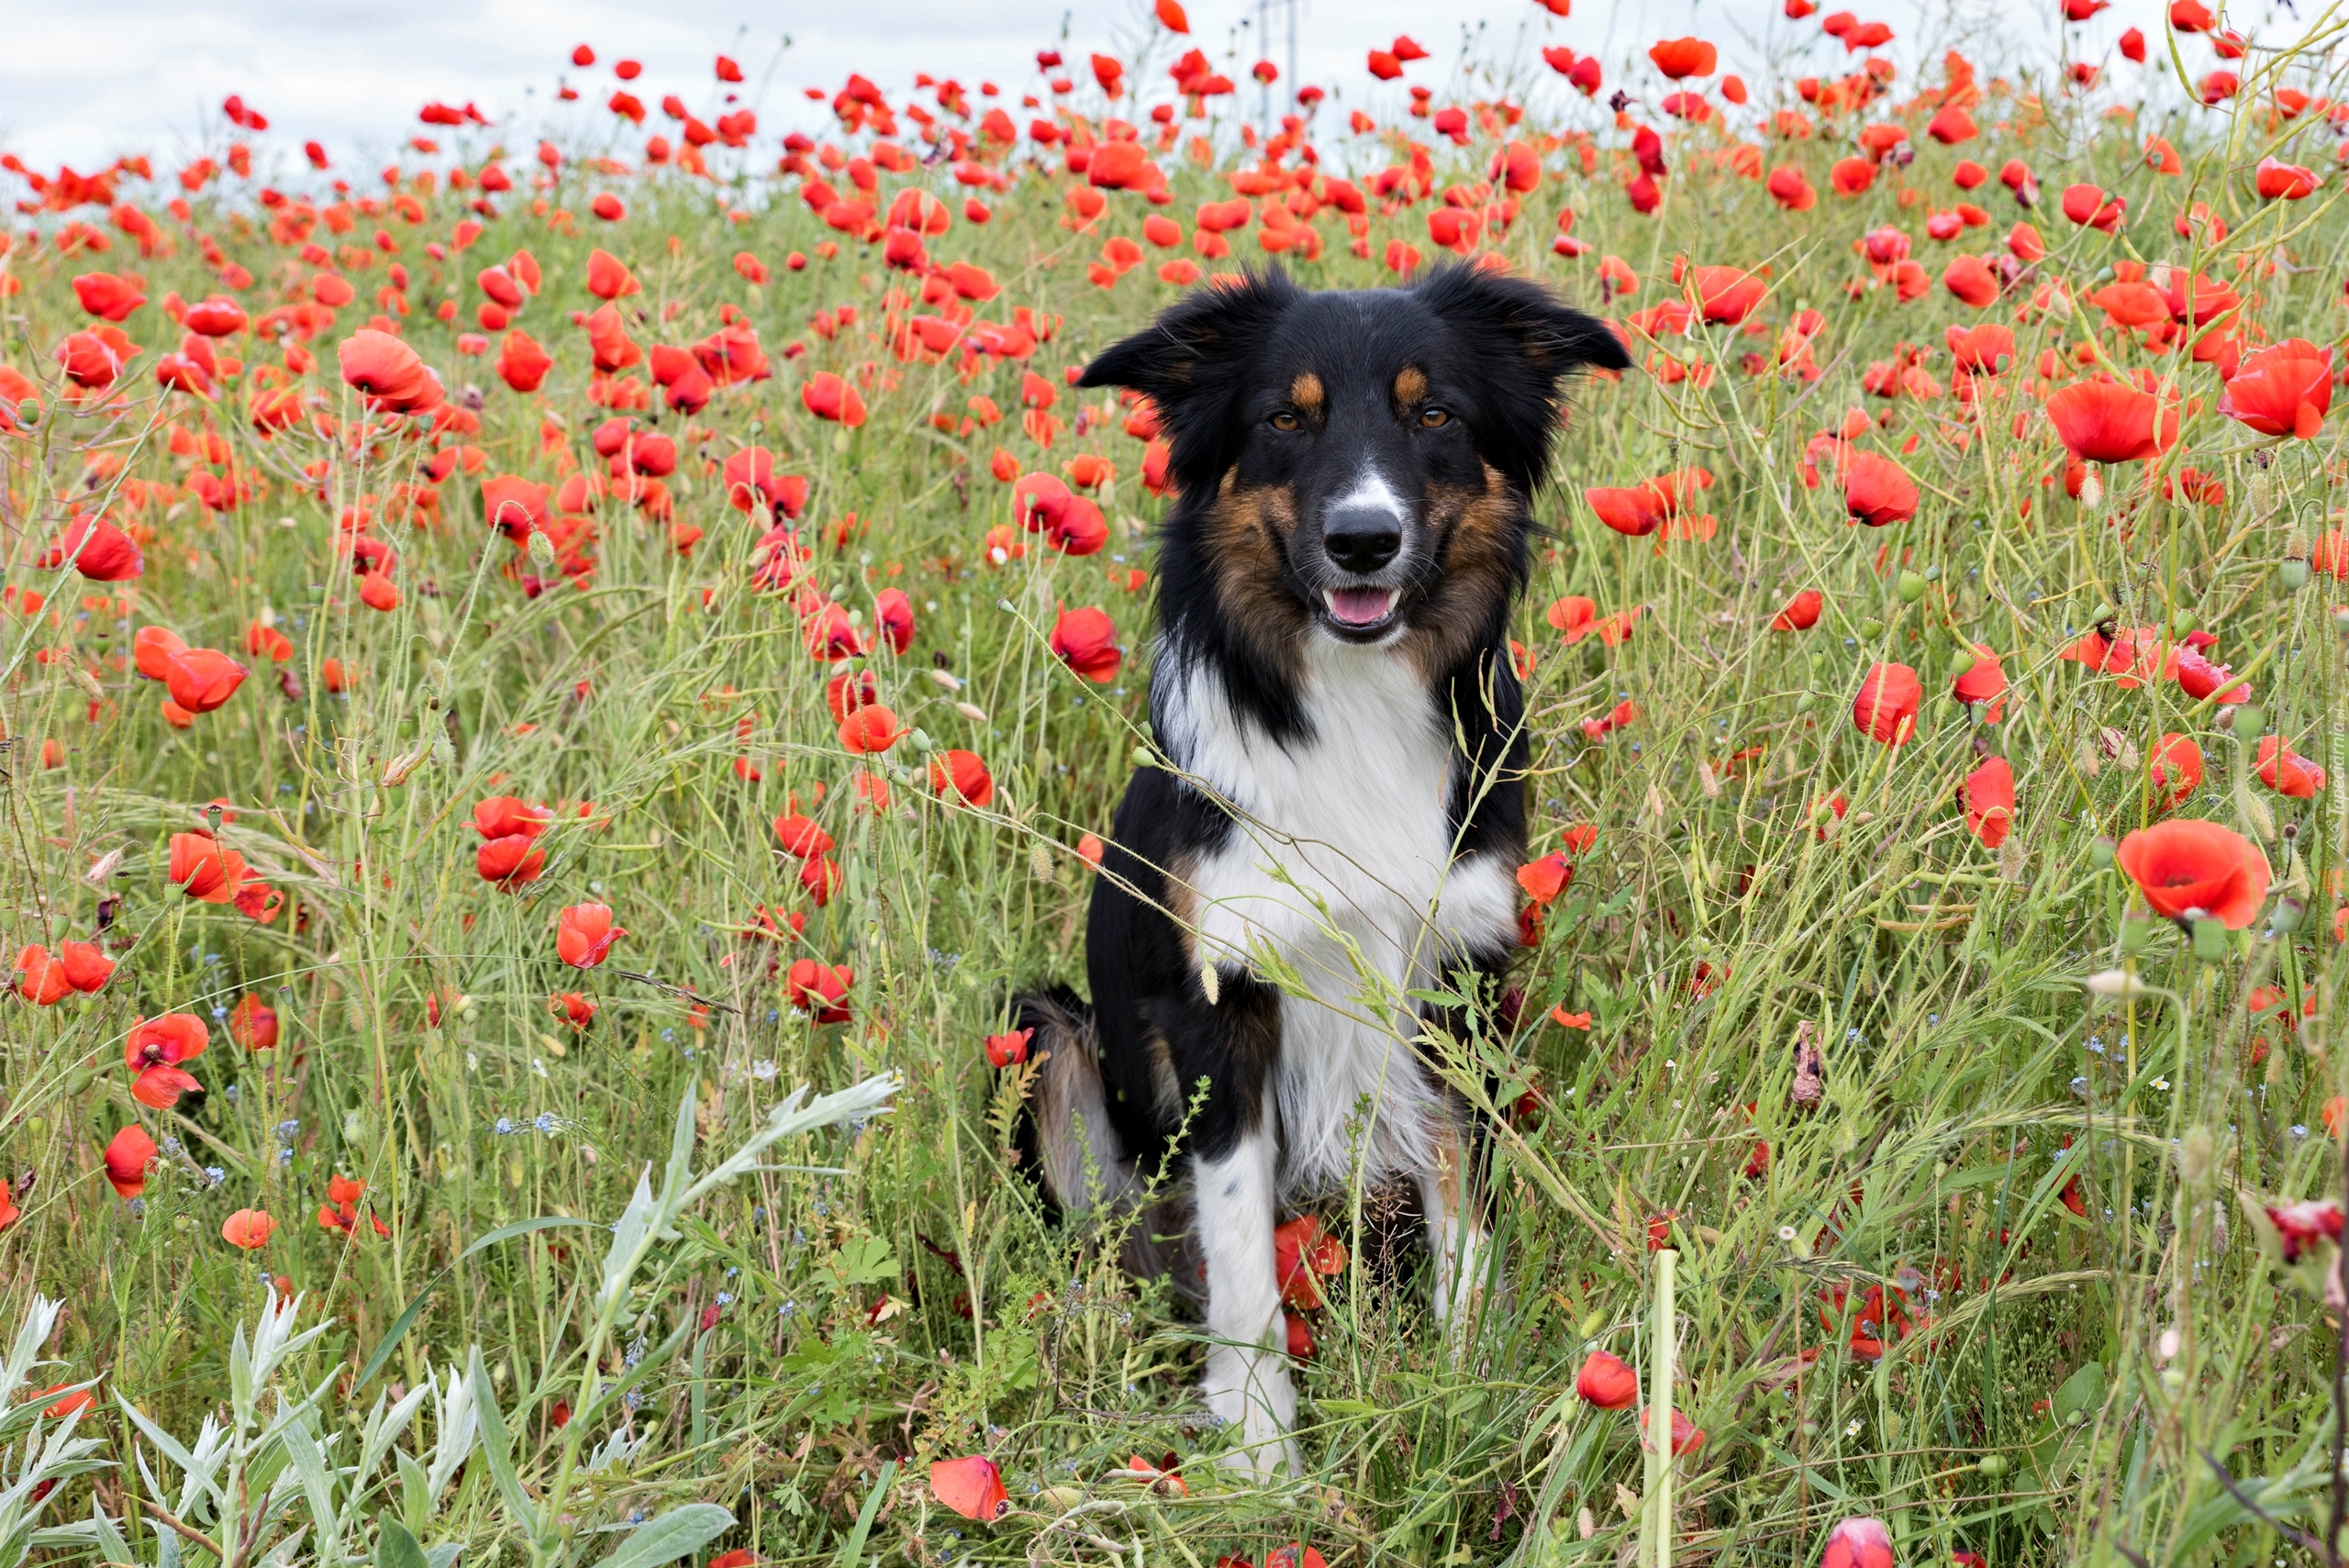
1526 344
1192 363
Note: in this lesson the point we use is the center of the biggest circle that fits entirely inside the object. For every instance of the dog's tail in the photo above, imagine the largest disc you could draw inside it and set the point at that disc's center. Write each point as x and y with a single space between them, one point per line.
1069 1140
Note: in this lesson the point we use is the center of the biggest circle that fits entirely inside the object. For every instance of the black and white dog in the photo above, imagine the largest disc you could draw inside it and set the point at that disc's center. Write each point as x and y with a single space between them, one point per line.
1340 812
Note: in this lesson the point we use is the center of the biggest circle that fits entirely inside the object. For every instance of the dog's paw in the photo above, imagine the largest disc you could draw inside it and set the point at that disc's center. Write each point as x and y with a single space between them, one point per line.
1256 1399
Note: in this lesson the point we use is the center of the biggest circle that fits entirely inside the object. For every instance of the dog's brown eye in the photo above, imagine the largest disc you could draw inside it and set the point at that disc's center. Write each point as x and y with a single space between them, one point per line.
1284 420
1433 418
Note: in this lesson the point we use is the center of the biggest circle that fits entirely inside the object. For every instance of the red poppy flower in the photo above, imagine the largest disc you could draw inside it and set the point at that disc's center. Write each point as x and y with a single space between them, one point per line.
1726 295
252 1023
1678 58
1885 709
128 1155
1607 1382
1989 794
85 965
510 862
1086 640
1008 1049
248 1228
105 294
154 1051
573 1008
1877 491
522 362
2189 867
98 550
390 374
2282 390
94 358
504 816
827 396
972 1487
1302 1257
2286 771
1801 612
201 679
40 978
1686 1436
1544 879
2103 421
1983 682
869 730
2277 181
583 935
2176 768
965 773
1858 1543
215 316
820 989
608 277
205 870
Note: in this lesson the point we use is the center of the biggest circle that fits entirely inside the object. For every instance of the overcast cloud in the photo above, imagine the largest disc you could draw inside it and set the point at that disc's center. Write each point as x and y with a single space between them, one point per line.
81 84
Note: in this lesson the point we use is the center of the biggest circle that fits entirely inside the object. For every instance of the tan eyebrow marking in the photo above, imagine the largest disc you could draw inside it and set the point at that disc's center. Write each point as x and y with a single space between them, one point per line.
1305 391
1411 385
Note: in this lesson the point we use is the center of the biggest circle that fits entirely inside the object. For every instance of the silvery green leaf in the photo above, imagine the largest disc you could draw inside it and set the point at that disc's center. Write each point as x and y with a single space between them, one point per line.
496 1445
628 1238
442 1555
459 1425
310 1465
677 1533
395 1548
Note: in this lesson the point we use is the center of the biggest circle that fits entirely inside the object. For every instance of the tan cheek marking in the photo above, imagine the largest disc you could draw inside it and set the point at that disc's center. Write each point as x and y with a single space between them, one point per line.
1305 393
1411 385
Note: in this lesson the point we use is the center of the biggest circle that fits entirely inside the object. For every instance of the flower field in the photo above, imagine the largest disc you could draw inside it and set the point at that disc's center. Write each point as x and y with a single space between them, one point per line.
521 658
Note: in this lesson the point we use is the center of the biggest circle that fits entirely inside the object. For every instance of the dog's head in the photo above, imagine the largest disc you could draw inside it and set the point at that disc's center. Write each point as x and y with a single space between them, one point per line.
1350 462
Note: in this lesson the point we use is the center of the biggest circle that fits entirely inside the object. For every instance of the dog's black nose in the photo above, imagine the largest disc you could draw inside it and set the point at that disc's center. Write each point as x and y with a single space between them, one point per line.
1361 540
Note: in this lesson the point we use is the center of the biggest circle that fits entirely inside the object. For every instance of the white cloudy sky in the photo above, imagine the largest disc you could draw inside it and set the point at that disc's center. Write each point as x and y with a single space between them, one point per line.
86 81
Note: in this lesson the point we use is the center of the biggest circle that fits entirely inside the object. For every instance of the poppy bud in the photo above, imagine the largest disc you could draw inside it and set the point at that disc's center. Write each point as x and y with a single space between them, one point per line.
541 550
2209 941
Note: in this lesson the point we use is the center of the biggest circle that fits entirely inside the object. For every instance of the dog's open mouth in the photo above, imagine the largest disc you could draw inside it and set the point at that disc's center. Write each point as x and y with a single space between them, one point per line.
1360 609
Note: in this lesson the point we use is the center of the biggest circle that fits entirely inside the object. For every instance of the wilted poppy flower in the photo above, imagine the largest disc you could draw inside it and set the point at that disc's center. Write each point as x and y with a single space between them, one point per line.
126 1158
583 935
1885 709
2288 772
248 1228
1801 612
576 1010
1989 794
1607 1382
1086 640
2282 390
201 679
1008 1049
972 1487
2191 867
965 773
2301 1226
154 1051
204 870
2103 421
1858 1543
98 550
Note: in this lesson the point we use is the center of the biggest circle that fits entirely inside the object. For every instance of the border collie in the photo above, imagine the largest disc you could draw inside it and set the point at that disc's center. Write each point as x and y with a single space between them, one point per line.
1339 808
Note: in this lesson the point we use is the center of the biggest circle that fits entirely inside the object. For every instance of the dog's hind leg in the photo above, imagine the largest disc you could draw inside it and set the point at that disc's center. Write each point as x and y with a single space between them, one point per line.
1247 1383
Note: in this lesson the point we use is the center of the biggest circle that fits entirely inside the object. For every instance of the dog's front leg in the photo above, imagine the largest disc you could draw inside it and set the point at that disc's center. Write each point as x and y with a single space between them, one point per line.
1454 1234
1247 1381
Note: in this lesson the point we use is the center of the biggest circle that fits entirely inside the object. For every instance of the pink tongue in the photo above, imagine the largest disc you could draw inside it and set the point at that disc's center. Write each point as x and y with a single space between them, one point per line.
1361 606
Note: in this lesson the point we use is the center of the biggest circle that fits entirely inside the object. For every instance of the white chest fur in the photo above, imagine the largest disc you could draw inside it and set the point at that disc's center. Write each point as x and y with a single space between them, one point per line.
1342 866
